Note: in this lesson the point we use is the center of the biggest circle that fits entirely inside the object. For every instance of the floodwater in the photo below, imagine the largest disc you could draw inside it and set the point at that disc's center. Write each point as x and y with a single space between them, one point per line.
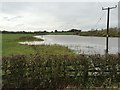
80 44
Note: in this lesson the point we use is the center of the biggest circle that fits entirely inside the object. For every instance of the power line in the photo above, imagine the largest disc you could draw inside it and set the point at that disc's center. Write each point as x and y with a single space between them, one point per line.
100 6
99 20
100 3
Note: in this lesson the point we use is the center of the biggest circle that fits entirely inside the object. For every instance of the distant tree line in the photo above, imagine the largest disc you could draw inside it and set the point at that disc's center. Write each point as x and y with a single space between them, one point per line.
37 32
113 32
23 32
74 30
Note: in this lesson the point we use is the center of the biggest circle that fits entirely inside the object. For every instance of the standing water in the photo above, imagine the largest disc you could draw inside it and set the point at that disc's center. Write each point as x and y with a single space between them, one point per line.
80 44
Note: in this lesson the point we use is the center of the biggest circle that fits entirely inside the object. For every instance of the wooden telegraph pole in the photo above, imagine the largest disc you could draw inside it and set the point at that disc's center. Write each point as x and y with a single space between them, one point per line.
107 35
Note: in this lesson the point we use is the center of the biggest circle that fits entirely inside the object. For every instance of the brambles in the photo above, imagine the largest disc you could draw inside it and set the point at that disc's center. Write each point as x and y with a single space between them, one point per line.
35 72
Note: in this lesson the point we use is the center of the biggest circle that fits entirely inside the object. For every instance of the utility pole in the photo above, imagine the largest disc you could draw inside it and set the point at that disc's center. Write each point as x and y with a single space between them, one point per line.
107 35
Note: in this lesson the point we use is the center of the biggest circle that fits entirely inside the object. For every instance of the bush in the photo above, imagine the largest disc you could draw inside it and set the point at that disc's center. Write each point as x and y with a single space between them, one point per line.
36 72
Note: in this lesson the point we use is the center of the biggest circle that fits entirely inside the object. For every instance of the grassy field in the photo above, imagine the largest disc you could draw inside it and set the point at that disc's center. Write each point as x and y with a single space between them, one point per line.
10 46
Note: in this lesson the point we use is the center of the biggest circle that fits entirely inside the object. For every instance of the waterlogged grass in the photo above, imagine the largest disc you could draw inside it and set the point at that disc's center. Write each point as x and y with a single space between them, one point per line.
29 38
51 50
10 46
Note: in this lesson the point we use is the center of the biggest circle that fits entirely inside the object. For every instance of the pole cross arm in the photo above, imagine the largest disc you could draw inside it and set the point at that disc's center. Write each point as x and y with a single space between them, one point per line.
109 7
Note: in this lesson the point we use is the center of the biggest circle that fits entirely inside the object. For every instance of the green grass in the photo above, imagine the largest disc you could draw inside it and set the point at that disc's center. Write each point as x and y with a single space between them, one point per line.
29 38
10 46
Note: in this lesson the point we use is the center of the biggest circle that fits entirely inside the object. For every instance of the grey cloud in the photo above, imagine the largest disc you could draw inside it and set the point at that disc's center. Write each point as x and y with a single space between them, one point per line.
67 14
13 18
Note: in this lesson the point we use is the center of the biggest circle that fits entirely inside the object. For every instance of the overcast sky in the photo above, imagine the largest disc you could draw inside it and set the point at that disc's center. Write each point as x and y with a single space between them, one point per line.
50 16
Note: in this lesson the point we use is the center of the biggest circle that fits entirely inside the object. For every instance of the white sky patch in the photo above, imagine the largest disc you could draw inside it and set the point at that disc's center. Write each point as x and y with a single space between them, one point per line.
41 16
59 0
